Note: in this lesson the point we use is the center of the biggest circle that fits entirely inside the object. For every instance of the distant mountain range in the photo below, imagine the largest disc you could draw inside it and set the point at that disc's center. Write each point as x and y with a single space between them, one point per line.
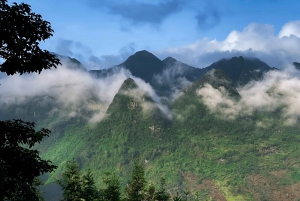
206 138
148 67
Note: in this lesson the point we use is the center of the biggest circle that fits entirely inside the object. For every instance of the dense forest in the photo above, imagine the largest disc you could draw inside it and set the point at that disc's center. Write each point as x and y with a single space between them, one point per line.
146 129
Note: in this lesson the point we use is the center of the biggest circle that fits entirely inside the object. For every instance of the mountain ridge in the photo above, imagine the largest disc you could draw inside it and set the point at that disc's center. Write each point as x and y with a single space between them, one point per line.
148 67
238 156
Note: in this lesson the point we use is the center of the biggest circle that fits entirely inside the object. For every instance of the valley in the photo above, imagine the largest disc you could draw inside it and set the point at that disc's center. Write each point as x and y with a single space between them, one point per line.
230 129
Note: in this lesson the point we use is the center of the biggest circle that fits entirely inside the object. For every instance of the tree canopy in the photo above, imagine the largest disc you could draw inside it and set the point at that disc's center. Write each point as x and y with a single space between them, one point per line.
20 165
21 32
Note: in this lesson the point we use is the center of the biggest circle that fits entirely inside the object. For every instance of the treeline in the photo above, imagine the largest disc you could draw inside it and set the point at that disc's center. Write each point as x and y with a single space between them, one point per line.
79 186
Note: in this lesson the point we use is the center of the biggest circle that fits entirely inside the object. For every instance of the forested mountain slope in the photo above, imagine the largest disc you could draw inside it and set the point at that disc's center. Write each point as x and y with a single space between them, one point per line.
208 137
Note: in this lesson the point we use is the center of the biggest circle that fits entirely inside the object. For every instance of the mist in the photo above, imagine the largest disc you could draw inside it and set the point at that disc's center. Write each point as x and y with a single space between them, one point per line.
277 89
74 92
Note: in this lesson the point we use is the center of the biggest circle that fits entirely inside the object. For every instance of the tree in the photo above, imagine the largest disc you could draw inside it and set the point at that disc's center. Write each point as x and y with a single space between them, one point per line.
150 195
19 164
89 190
177 197
186 193
21 32
113 188
137 183
162 194
71 182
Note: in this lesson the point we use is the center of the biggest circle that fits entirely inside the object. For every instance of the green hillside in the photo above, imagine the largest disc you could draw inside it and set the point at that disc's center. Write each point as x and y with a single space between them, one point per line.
246 157
196 150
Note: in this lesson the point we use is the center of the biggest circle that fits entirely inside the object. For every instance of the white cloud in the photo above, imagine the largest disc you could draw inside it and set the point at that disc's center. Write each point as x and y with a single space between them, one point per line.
255 40
146 89
75 92
277 89
290 28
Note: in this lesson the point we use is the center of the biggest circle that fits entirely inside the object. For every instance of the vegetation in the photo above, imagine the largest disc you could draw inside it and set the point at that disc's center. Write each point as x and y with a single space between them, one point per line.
79 186
21 32
19 166
197 151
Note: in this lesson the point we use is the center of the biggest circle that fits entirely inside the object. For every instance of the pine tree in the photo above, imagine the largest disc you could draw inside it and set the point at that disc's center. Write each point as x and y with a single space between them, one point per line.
177 197
89 190
113 188
71 182
162 194
137 183
150 196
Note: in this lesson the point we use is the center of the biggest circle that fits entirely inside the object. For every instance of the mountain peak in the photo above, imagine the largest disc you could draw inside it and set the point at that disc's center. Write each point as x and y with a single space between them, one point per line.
143 64
128 84
144 53
169 61
296 65
240 69
218 78
72 63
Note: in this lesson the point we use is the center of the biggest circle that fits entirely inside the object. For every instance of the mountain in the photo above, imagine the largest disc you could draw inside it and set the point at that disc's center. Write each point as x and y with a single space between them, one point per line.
148 67
180 69
174 76
144 65
241 70
217 79
169 75
209 141
190 106
74 64
297 65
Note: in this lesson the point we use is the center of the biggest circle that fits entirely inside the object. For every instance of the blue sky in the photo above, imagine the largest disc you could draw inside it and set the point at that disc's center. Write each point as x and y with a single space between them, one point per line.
103 33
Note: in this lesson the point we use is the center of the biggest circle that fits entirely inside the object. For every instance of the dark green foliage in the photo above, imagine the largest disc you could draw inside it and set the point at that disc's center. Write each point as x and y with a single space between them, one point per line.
89 190
112 192
21 32
71 182
162 194
136 188
177 197
128 84
186 194
197 141
19 164
78 186
150 194
216 78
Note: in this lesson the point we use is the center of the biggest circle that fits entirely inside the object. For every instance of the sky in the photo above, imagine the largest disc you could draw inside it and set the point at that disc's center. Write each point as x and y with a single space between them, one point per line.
103 33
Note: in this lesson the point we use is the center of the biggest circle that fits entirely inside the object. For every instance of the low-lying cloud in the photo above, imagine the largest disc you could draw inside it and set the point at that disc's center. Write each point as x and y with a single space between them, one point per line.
172 78
278 89
74 92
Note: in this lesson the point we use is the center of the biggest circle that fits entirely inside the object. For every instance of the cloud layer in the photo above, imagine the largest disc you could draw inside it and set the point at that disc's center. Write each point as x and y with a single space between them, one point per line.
74 92
278 89
255 40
